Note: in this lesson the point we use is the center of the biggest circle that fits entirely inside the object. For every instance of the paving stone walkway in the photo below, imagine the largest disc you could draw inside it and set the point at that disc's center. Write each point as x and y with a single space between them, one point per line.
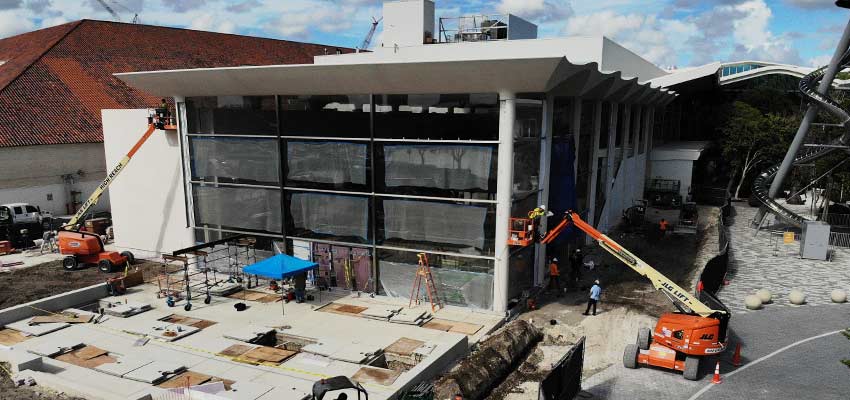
763 261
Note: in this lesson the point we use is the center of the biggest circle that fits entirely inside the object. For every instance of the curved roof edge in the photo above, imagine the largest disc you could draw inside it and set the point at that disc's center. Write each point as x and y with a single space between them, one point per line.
764 68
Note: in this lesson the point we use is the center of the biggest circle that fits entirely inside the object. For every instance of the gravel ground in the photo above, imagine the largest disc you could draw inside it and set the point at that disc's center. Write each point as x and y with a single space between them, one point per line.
9 391
48 279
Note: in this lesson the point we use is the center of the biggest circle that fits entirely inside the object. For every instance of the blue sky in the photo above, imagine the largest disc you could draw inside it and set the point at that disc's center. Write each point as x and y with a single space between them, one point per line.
667 32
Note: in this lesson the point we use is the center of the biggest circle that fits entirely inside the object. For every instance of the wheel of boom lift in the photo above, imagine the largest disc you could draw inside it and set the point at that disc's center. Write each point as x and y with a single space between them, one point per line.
644 337
630 355
104 266
691 368
129 256
70 263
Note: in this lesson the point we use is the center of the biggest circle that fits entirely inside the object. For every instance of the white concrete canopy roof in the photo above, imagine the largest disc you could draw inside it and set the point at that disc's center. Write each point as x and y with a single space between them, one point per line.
541 74
679 151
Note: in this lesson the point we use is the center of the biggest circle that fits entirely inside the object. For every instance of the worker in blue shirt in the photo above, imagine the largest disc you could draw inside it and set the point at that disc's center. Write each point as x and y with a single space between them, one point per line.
595 292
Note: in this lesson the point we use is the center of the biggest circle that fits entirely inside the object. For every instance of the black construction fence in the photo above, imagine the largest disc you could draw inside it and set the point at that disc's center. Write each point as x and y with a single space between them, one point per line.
714 273
564 381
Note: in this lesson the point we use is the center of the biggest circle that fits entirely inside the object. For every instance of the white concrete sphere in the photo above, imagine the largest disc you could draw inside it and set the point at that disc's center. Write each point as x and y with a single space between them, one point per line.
797 297
765 295
752 302
838 296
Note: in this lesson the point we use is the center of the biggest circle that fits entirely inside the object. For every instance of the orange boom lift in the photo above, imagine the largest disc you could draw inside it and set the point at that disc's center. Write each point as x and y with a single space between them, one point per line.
81 247
681 338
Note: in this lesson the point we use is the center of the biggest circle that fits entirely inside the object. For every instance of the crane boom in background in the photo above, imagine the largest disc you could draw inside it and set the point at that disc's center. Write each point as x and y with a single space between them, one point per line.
368 40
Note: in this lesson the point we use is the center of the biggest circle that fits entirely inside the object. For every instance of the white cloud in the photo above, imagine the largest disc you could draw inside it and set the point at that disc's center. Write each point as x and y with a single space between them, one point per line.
213 23
656 39
12 24
537 10
819 61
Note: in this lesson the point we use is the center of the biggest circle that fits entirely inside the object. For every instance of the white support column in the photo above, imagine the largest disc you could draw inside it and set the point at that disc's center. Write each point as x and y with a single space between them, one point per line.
638 129
627 120
594 165
650 141
545 171
504 198
612 153
575 124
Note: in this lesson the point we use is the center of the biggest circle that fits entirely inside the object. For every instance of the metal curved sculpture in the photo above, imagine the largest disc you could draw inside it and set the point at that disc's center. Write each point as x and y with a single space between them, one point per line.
809 90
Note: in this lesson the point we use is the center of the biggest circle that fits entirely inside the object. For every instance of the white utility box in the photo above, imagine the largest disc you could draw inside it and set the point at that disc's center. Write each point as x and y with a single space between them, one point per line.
814 244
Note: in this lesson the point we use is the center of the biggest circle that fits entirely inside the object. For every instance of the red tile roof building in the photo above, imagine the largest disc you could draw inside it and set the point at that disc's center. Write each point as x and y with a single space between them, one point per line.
55 81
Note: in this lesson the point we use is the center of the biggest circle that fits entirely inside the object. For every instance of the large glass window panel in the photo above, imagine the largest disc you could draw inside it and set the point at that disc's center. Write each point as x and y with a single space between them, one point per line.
231 115
437 116
440 226
235 160
326 116
438 170
334 217
460 281
327 165
237 208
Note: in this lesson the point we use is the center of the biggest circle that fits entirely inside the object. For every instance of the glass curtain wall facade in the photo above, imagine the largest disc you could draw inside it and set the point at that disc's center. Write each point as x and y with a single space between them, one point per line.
366 181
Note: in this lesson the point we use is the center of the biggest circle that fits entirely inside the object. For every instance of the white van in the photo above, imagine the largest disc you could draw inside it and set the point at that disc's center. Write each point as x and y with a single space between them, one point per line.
21 213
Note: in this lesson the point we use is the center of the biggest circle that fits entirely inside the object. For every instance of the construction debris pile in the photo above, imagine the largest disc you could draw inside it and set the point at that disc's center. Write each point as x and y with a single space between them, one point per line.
474 376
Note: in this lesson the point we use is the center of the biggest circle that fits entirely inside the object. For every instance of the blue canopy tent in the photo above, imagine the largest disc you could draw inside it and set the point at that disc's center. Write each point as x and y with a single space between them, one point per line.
280 267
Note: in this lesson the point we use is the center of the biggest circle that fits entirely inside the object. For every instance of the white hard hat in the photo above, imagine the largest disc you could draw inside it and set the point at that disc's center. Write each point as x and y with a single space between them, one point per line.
555 259
596 281
543 206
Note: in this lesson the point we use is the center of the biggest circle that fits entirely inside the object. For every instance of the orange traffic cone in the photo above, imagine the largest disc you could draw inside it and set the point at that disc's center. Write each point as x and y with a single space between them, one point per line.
736 359
717 379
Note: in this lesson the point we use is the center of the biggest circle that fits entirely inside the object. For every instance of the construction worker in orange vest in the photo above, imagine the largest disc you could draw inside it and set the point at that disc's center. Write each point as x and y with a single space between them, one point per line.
662 226
555 276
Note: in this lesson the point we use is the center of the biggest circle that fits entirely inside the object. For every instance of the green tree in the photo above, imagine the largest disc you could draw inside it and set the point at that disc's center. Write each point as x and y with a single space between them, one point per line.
744 139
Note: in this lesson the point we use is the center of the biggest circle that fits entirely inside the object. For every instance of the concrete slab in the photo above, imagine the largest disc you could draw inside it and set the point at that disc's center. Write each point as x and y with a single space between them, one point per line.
246 391
285 393
123 366
155 372
56 346
249 334
24 327
165 331
20 360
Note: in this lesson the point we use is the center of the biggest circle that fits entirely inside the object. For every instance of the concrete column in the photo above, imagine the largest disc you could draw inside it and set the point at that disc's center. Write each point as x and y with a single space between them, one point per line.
504 198
594 164
650 140
612 154
575 124
639 131
185 158
627 129
543 177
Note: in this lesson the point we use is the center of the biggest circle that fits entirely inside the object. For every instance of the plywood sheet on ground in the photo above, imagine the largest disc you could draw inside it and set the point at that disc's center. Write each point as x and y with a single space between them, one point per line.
453 326
404 346
343 309
184 320
87 357
265 354
438 324
253 295
380 376
465 328
235 350
11 337
185 379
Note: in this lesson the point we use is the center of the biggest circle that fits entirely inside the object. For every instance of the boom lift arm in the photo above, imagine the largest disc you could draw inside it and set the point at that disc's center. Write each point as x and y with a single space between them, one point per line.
153 124
683 300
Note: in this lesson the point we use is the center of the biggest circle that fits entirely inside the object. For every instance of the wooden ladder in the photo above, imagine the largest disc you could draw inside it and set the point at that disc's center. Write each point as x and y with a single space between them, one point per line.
424 271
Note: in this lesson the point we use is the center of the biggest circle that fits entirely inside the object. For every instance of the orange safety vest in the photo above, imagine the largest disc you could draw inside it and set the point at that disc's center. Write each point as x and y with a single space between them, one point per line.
553 270
663 225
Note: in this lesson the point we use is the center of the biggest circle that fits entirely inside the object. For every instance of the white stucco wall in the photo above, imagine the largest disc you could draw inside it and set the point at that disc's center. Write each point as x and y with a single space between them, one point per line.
148 206
30 173
681 170
628 186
